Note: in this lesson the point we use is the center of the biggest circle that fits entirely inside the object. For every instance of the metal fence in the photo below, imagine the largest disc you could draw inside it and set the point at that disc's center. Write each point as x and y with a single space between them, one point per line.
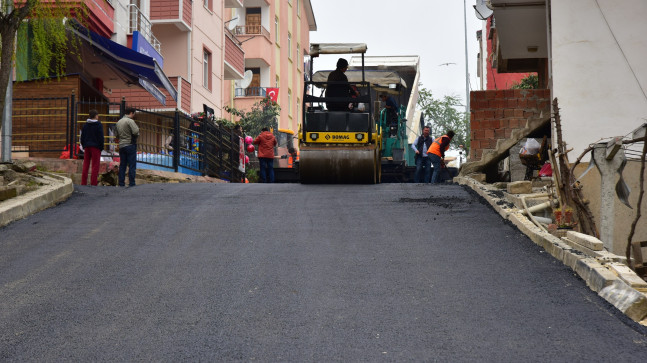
41 126
168 140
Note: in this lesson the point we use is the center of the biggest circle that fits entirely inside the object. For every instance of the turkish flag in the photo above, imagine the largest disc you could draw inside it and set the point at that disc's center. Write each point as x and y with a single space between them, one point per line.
273 94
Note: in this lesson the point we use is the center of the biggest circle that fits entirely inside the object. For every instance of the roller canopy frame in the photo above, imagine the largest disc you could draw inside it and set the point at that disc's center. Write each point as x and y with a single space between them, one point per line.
336 48
355 76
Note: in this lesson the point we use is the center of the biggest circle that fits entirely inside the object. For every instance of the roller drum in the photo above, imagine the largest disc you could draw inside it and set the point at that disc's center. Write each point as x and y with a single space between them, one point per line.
338 165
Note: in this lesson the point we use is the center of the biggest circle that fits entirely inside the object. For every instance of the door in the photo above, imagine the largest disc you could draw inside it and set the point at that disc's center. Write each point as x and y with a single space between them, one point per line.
253 21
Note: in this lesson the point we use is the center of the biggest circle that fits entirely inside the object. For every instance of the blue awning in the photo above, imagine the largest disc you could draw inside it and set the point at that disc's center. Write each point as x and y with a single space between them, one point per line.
140 67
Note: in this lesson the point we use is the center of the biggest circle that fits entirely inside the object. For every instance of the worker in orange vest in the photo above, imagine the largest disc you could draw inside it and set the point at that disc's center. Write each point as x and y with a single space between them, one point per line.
291 158
436 153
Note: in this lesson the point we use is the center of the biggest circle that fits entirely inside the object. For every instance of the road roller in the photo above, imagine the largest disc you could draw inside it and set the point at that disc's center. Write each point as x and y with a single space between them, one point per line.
338 144
357 143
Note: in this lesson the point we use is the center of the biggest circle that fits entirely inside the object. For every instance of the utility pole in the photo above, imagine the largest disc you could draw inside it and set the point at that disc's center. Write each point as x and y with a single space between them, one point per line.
6 114
6 124
467 71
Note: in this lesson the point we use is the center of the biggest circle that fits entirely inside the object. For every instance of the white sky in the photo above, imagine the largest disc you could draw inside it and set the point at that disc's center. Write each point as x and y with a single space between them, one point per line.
431 29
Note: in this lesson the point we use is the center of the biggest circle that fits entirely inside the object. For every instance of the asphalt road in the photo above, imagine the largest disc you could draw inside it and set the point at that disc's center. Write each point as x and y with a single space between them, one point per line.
229 272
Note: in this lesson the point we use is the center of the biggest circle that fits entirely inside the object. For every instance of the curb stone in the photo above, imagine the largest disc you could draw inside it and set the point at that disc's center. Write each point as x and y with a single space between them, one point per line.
29 203
598 273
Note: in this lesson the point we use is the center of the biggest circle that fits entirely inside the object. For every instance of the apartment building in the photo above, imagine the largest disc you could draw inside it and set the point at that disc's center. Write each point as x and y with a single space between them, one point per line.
197 54
274 35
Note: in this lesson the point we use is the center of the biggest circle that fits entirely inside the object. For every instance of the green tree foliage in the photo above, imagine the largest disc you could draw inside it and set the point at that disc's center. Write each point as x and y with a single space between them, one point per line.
264 113
529 82
46 37
445 114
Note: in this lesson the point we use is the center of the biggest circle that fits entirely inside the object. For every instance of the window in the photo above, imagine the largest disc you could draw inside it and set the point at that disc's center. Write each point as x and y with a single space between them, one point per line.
297 58
206 68
290 102
276 30
208 4
289 45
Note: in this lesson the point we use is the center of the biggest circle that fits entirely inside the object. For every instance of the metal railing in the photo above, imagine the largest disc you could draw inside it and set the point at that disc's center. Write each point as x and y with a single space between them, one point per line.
251 92
51 128
252 30
139 22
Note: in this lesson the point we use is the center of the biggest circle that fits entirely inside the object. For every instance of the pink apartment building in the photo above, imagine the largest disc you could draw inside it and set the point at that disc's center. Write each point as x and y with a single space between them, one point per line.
196 51
274 35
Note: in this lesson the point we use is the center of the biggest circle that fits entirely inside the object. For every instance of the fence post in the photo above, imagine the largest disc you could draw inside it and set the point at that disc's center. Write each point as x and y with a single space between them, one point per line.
176 140
122 107
71 142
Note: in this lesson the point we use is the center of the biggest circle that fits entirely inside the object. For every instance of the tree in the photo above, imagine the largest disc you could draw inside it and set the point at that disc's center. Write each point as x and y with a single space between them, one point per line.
444 115
47 37
264 113
529 82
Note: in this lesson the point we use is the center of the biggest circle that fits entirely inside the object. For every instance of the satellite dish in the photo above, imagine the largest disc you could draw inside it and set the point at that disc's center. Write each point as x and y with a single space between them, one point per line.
483 9
232 24
247 79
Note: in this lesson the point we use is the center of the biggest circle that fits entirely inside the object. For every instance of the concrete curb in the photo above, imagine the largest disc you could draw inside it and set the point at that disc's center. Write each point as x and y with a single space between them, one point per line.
603 274
59 189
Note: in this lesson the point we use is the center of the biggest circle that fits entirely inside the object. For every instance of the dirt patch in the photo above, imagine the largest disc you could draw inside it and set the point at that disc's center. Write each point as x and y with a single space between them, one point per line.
444 202
21 177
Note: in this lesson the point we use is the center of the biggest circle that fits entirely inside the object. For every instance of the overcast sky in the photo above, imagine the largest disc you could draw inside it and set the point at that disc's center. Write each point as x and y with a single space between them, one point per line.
431 29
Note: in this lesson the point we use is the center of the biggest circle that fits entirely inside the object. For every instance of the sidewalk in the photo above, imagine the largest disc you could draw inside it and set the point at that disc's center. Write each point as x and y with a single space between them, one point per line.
54 189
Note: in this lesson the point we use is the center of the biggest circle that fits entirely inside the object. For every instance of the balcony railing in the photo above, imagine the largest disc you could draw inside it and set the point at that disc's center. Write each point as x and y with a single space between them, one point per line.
252 30
251 92
139 22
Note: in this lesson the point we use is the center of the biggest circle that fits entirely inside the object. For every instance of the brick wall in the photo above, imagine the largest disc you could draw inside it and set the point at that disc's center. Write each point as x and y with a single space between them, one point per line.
494 114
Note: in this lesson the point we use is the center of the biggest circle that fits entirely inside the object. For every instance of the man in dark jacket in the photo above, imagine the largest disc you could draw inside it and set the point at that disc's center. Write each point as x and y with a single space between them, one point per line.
266 142
420 147
92 143
340 87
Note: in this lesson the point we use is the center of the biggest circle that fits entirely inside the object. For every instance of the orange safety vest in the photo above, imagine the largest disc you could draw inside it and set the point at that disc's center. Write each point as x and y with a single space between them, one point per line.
435 147
290 159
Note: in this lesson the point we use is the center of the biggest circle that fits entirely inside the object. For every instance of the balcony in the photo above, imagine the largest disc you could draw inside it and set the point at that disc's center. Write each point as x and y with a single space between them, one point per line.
97 14
256 42
139 22
238 4
252 30
178 13
251 92
234 59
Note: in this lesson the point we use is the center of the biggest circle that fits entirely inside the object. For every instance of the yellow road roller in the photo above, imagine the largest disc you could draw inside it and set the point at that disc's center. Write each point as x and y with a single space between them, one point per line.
338 140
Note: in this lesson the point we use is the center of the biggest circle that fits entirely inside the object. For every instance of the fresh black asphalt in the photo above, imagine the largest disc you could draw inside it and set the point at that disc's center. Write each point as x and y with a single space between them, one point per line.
289 272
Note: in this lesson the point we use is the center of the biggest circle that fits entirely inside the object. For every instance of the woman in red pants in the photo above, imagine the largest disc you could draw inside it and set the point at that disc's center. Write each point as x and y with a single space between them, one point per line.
92 143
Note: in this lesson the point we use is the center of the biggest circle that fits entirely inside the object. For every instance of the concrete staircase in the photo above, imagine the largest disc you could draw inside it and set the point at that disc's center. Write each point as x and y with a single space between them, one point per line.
491 157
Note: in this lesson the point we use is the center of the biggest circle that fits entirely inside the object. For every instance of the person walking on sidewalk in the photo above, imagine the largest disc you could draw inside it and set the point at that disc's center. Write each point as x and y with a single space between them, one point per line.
420 147
436 153
266 142
127 132
92 144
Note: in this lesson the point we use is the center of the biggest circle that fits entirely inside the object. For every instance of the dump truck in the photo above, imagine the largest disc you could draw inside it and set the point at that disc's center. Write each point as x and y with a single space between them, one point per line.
361 143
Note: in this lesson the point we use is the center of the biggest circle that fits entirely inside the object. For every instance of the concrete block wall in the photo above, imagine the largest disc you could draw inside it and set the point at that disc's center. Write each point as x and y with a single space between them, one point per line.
496 113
